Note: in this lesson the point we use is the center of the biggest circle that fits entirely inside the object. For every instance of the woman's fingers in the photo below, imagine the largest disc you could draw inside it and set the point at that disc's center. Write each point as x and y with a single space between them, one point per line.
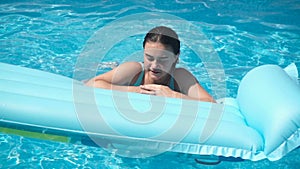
155 89
148 89
148 92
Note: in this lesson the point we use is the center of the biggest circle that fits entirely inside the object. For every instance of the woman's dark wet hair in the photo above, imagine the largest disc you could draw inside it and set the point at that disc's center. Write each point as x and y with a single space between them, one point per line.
165 36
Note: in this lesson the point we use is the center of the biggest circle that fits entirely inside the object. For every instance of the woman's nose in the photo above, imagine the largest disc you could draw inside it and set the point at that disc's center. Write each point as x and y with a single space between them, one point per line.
155 64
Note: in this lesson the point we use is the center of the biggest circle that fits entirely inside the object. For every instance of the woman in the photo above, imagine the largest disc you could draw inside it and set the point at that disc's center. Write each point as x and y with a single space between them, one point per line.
158 74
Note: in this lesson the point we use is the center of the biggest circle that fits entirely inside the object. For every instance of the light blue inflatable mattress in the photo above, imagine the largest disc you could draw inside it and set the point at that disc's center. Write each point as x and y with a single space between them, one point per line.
262 122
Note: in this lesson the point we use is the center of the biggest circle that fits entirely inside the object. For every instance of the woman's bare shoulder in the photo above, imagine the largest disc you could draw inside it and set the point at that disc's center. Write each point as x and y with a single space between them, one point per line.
184 79
128 69
130 66
182 72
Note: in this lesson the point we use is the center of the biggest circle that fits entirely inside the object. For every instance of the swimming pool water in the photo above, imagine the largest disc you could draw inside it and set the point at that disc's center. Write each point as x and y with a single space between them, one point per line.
50 36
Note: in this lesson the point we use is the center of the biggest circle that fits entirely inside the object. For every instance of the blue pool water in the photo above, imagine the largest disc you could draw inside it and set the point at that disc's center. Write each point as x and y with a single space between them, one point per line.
50 36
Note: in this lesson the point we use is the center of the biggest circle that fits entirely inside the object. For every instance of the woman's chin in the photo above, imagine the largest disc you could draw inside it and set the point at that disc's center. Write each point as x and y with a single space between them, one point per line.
155 76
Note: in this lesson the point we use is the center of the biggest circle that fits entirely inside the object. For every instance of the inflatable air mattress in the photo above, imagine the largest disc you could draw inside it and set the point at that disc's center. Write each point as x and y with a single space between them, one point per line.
262 122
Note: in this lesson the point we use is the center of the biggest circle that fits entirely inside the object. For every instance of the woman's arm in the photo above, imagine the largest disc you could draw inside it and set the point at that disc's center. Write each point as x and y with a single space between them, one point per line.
120 78
188 88
161 90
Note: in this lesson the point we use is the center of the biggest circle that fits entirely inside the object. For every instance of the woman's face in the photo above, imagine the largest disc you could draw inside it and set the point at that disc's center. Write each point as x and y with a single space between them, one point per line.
159 61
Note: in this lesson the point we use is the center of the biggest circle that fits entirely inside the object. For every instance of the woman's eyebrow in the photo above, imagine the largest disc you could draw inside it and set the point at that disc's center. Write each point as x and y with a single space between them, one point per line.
148 55
162 56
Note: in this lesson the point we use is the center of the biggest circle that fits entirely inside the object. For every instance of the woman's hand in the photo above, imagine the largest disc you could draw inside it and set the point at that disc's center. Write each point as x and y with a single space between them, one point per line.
157 90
